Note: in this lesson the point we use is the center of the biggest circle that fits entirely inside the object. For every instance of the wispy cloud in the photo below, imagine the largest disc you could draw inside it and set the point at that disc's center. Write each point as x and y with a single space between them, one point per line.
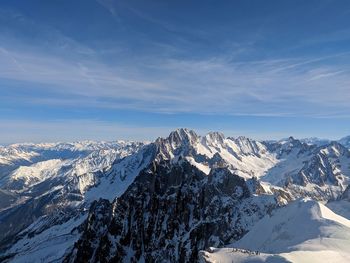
270 87
72 74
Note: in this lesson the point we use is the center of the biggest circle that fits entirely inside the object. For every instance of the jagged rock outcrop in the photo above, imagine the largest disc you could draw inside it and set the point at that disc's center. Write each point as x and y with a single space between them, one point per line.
346 194
345 141
329 165
49 193
165 200
169 213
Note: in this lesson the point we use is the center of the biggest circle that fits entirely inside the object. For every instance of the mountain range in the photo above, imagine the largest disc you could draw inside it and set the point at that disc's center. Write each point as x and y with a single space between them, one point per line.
183 198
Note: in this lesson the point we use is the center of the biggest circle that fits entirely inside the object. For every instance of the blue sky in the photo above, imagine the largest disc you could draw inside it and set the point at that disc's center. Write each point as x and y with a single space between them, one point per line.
114 69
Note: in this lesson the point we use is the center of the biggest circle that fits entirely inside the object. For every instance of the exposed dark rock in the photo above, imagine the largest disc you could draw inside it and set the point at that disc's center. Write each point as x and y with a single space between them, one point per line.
168 214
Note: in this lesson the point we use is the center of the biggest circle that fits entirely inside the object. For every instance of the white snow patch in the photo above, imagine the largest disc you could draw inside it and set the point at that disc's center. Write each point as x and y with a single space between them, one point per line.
300 232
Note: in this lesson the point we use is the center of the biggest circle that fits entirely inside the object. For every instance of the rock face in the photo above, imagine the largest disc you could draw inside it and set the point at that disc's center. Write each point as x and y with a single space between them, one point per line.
323 176
169 213
163 201
346 194
189 197
48 193
345 141
319 172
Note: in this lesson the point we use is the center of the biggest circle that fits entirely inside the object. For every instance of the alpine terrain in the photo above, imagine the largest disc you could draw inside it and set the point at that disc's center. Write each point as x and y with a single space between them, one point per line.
183 198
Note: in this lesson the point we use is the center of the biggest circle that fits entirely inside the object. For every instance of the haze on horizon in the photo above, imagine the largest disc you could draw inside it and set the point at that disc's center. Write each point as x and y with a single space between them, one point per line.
108 69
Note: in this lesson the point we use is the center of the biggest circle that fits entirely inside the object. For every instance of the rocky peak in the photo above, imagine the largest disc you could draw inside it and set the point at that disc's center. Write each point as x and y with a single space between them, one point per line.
327 170
345 141
292 145
315 141
335 149
346 194
248 146
182 136
169 213
291 139
318 170
228 183
241 140
292 142
214 138
179 143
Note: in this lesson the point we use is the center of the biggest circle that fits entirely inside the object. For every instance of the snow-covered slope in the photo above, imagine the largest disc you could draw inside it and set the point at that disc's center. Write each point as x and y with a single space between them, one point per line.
121 174
168 213
291 155
341 206
24 154
83 158
321 172
302 231
50 245
243 156
49 189
46 194
28 176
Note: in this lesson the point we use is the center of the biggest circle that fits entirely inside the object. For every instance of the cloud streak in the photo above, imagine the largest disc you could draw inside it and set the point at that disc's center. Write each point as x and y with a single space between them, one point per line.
73 74
286 87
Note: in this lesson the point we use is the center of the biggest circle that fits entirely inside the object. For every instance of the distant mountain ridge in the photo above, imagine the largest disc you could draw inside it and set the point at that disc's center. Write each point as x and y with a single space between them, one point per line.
92 183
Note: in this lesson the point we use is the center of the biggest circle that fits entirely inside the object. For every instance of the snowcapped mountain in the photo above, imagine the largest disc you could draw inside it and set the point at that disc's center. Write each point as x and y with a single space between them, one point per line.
60 160
308 170
243 156
25 154
302 231
170 212
315 141
49 193
345 141
327 165
165 200
163 213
